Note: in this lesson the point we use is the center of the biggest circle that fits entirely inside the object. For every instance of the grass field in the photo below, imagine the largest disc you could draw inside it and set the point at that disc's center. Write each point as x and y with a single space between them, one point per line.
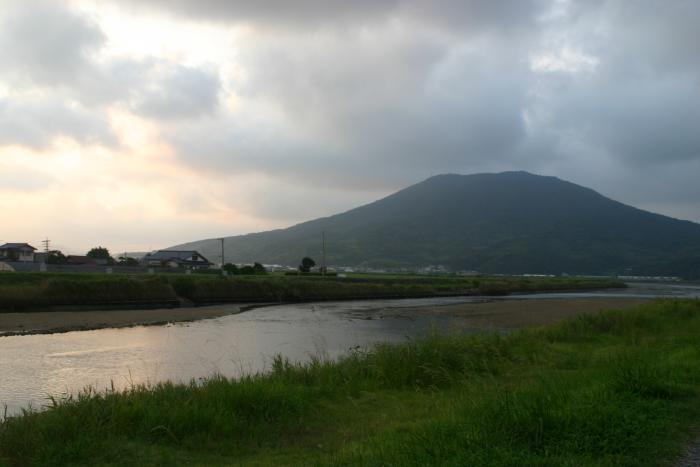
617 388
26 291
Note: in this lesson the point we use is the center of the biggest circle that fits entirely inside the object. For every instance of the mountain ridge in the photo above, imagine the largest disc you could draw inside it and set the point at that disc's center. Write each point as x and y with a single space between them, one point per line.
509 222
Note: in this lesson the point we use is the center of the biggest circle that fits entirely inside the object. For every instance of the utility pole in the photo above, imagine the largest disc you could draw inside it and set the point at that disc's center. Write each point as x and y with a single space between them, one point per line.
222 254
323 252
47 244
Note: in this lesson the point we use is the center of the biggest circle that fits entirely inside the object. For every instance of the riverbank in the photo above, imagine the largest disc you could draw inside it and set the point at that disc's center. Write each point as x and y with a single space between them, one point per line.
507 314
614 388
64 292
26 323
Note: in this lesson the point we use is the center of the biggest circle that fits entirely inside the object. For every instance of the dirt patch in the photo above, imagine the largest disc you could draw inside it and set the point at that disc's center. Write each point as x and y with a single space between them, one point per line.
511 314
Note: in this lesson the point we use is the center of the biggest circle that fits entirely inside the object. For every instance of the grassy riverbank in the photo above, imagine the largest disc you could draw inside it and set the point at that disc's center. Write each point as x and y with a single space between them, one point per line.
27 291
618 388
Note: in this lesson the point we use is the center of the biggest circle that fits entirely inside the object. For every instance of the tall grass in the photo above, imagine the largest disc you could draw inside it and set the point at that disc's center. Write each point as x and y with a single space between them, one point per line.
68 291
20 291
617 388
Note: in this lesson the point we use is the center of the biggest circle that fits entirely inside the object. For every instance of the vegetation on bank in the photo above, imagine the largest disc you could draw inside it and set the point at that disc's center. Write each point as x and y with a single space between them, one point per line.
80 291
23 291
616 388
232 270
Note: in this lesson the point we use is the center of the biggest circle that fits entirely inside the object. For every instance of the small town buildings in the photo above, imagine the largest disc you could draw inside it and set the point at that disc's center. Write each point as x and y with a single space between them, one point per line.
41 257
20 252
77 260
188 259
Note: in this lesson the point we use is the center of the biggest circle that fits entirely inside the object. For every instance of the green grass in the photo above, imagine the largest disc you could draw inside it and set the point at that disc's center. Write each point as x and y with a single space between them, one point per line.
616 388
93 289
26 291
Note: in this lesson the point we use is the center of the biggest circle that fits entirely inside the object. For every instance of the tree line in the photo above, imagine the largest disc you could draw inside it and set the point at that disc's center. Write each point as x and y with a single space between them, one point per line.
96 253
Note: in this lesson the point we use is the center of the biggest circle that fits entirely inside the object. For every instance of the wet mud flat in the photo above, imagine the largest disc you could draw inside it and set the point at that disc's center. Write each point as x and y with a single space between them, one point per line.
506 313
486 314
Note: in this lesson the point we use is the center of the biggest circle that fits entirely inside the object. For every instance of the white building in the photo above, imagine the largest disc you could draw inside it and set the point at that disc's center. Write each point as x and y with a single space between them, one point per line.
22 252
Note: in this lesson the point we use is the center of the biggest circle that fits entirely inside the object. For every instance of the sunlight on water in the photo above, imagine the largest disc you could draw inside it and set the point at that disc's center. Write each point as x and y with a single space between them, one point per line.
37 366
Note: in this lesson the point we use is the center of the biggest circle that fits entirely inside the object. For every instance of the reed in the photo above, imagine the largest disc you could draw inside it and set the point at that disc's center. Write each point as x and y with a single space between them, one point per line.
28 291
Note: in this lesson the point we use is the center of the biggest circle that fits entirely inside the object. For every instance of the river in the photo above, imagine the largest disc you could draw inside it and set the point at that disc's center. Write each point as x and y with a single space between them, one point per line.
34 367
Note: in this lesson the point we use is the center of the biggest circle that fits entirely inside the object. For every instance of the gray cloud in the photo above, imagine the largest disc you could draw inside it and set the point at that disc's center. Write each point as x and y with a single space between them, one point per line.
369 96
299 202
35 122
463 16
47 58
177 91
647 36
42 42
61 87
406 102
641 102
369 103
646 121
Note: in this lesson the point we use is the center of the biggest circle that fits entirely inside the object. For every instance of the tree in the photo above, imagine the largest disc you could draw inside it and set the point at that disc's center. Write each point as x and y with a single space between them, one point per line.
246 270
127 261
56 257
231 269
100 252
306 264
255 269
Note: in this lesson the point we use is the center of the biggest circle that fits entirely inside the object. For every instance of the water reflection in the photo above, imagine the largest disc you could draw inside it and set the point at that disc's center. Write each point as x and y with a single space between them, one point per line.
36 366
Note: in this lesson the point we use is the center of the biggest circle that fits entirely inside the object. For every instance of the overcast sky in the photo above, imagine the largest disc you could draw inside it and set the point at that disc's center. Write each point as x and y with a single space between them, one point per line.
145 123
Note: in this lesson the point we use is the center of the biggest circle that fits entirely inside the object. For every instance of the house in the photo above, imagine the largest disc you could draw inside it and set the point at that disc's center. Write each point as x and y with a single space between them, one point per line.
77 260
188 259
22 252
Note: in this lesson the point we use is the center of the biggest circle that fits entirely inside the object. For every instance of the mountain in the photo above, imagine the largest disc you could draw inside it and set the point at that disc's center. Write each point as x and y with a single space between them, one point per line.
511 222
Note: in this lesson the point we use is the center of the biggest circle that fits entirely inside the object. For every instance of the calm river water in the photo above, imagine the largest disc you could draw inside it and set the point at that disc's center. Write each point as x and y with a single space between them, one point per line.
34 367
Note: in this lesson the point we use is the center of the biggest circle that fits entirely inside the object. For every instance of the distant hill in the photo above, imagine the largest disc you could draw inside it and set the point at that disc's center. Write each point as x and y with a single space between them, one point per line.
511 222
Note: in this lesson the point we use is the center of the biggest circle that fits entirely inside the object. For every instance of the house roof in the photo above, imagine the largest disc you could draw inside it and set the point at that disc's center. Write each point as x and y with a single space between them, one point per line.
77 259
8 246
178 255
